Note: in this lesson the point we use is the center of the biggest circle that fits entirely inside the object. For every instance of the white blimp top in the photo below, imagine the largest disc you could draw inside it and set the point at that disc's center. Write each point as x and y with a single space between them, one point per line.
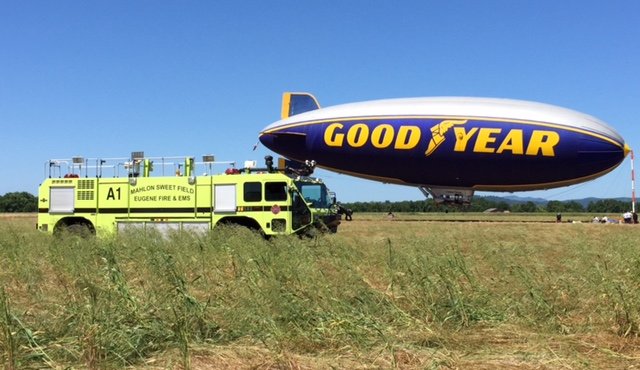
467 107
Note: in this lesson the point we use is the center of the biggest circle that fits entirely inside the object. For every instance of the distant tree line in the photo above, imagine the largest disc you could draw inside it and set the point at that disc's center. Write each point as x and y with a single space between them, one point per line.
18 202
26 202
481 204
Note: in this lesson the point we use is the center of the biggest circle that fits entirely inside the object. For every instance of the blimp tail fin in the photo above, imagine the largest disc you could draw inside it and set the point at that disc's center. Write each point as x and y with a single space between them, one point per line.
295 103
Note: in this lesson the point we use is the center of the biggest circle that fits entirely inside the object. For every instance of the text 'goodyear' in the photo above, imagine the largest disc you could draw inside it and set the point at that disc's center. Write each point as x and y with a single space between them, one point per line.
407 137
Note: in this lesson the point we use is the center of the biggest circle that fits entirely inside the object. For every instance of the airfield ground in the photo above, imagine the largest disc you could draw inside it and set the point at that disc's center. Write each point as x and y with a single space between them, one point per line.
385 292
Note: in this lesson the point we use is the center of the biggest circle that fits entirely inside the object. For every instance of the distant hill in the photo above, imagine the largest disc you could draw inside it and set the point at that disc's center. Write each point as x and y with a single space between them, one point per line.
585 201
514 199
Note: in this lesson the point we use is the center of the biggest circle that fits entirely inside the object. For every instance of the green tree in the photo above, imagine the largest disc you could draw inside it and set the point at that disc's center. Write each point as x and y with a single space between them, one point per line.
18 202
555 206
503 206
608 206
525 207
573 206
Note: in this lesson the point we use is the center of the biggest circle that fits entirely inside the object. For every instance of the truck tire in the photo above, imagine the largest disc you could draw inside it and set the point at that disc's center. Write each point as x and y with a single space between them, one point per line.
82 229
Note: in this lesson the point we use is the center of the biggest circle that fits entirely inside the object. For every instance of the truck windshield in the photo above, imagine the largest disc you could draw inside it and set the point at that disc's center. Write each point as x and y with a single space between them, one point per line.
314 193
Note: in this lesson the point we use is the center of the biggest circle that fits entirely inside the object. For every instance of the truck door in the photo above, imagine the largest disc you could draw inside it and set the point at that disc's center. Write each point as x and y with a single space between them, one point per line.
300 212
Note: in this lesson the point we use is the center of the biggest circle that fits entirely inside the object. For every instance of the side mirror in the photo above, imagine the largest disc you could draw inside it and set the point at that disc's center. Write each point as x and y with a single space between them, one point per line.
332 196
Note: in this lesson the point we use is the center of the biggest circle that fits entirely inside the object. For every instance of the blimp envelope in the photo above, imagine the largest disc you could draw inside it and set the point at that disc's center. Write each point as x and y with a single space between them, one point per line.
448 145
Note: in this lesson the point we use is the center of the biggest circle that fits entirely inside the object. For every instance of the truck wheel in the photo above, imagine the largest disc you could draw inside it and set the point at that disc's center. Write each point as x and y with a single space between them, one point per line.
78 229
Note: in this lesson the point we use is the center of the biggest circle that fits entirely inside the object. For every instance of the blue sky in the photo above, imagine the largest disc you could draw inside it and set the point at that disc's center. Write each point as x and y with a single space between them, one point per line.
104 78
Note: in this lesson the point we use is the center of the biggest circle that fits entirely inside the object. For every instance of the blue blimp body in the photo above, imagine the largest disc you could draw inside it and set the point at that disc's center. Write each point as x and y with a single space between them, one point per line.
448 146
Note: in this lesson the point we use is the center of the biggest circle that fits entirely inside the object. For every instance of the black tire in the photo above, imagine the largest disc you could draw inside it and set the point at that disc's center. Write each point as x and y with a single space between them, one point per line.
78 229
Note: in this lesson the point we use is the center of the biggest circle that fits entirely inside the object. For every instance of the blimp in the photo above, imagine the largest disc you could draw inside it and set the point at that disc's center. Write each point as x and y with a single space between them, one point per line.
448 147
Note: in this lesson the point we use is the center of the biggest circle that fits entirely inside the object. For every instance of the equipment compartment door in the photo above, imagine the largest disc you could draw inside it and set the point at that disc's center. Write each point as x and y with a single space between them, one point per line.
61 200
224 198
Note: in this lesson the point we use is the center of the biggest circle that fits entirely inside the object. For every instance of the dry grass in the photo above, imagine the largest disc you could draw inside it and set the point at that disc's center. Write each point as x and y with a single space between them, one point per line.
379 294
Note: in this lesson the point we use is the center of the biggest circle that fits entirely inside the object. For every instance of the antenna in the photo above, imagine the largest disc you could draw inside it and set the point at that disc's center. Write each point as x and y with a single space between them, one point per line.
633 186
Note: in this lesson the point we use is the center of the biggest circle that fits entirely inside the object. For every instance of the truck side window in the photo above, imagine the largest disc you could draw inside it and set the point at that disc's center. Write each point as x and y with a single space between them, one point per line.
275 191
252 191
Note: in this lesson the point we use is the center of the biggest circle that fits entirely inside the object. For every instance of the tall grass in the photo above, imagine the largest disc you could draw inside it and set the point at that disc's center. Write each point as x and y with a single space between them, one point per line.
377 287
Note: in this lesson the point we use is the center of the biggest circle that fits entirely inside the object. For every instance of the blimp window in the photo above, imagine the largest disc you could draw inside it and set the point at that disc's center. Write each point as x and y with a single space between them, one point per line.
252 191
275 191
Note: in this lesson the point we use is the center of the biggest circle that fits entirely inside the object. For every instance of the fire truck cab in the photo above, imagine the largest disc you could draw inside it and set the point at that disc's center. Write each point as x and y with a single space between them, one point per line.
115 194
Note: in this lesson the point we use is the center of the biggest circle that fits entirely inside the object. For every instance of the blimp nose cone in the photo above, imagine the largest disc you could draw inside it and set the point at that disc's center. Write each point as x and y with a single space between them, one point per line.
287 143
266 139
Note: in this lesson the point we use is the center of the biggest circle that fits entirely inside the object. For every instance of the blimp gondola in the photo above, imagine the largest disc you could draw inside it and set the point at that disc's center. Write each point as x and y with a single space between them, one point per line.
448 147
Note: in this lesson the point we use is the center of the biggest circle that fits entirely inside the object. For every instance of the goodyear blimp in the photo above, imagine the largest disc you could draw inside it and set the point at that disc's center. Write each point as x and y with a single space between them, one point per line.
449 147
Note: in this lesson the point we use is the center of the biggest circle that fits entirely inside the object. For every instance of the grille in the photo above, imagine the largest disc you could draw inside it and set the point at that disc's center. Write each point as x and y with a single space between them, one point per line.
86 184
85 194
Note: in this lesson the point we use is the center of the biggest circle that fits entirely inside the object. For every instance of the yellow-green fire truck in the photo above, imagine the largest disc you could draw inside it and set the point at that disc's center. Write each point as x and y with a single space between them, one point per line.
165 194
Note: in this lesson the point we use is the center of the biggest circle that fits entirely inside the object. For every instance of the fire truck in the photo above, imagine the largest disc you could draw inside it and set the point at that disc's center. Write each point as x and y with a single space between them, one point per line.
106 195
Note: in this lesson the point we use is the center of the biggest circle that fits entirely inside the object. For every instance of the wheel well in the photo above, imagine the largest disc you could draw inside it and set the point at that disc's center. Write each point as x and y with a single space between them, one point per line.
247 222
67 222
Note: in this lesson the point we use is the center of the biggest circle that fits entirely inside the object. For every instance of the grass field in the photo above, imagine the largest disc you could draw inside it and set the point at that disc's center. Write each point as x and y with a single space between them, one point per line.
487 217
401 293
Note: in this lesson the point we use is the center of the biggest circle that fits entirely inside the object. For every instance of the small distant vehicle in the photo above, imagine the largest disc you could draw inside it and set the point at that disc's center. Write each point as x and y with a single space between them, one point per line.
449 147
122 193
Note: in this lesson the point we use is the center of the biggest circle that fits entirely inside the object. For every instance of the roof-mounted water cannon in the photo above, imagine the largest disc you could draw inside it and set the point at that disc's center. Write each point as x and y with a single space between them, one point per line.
298 168
310 165
306 168
268 161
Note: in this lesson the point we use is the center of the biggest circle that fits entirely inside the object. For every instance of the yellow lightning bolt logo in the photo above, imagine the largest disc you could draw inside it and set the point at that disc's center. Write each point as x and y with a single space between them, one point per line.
438 131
